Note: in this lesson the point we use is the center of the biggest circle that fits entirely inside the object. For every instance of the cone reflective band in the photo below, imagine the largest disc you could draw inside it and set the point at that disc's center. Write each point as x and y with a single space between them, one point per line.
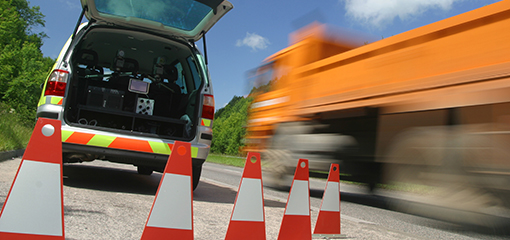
296 223
171 216
34 207
328 221
248 220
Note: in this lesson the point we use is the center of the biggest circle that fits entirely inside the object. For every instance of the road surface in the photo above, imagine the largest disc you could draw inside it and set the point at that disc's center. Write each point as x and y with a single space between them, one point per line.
104 200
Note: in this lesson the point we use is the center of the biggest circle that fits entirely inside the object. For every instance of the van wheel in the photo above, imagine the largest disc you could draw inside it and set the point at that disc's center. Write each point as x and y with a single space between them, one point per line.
197 171
144 170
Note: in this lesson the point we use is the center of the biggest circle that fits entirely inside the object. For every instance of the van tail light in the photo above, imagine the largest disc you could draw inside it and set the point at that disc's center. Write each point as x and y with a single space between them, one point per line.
57 82
208 108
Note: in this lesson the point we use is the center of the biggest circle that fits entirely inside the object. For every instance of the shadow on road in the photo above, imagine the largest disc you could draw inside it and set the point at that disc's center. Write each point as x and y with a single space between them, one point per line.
207 192
129 181
110 179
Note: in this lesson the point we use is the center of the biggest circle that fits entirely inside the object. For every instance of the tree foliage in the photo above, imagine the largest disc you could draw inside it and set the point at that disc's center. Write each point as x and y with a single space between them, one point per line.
228 128
23 67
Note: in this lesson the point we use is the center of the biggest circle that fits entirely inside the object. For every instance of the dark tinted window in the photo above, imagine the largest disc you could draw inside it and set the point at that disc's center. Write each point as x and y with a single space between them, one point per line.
181 14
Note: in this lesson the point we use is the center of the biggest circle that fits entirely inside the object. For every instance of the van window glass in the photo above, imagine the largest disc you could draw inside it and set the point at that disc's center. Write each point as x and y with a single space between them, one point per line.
181 14
180 78
197 80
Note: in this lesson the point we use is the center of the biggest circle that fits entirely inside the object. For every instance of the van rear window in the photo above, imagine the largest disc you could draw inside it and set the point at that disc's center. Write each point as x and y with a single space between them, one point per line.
181 14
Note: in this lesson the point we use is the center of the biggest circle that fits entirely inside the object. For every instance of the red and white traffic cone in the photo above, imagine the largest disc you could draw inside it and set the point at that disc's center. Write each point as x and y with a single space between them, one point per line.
328 221
171 216
296 223
34 208
248 220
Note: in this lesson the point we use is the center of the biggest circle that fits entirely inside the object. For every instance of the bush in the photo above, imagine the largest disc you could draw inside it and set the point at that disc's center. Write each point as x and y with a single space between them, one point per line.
228 128
22 65
14 134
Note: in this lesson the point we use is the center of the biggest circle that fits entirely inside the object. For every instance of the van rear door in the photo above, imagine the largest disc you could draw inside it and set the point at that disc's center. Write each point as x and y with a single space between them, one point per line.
189 19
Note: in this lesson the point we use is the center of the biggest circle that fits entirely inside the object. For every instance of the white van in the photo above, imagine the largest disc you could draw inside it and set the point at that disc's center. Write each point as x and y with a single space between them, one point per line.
131 81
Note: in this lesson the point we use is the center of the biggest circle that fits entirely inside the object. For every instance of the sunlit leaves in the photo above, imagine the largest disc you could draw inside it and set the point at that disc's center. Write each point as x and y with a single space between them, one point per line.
22 65
228 128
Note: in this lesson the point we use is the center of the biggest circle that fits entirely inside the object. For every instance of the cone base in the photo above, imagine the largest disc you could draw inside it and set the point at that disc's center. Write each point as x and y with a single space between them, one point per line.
327 223
166 233
246 230
295 227
23 236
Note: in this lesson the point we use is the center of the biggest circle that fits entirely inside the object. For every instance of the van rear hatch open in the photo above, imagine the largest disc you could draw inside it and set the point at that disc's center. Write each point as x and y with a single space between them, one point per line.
134 82
189 19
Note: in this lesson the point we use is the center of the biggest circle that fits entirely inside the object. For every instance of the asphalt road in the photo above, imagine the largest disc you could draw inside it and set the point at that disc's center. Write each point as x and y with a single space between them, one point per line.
105 200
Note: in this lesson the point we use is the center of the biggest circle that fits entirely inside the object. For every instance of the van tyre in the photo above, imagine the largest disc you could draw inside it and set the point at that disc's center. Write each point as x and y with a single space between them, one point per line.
144 170
197 171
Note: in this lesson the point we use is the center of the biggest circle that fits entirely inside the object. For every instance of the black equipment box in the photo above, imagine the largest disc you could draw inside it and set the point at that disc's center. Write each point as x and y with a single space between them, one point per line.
105 97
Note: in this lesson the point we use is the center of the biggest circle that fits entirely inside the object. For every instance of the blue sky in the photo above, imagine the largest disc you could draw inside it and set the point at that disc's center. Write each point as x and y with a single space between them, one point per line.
256 29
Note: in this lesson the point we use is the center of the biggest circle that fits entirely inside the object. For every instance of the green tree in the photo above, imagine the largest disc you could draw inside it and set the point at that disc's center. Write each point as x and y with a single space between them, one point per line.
22 65
228 128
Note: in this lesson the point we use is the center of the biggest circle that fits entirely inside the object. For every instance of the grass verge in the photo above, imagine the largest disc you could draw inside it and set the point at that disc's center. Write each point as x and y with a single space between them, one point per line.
13 134
226 160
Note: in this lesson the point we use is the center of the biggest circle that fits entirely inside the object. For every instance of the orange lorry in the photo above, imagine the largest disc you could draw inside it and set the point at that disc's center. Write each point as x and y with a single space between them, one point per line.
431 105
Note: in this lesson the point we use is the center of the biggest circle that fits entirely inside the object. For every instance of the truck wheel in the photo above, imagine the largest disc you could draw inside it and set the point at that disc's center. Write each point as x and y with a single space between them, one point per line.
278 174
144 170
435 161
197 171
415 155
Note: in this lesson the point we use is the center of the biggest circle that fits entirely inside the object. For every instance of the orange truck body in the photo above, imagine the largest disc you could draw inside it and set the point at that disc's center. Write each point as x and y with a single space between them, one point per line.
452 73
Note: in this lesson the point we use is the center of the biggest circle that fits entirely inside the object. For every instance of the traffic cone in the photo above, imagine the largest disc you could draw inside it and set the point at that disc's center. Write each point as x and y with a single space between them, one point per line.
34 207
328 221
248 220
296 223
171 216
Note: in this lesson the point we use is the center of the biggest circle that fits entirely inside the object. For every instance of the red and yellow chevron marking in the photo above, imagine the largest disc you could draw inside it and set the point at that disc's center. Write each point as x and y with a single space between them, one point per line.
205 122
120 143
50 100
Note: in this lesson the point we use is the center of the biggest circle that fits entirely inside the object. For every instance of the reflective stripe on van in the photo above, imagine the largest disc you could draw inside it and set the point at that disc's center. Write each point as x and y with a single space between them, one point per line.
120 143
50 100
206 122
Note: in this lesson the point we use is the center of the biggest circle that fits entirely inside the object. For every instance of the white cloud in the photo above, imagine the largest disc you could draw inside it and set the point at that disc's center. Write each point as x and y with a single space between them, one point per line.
253 40
379 13
71 4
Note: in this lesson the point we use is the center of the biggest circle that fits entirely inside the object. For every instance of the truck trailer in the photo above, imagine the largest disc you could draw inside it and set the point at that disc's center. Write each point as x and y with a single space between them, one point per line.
429 107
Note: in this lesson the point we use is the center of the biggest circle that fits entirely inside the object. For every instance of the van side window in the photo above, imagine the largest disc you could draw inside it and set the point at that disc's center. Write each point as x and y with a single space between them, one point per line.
181 82
197 80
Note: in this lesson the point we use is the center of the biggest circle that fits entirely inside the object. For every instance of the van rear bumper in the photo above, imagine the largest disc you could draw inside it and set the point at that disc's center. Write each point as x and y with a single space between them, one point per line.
154 160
